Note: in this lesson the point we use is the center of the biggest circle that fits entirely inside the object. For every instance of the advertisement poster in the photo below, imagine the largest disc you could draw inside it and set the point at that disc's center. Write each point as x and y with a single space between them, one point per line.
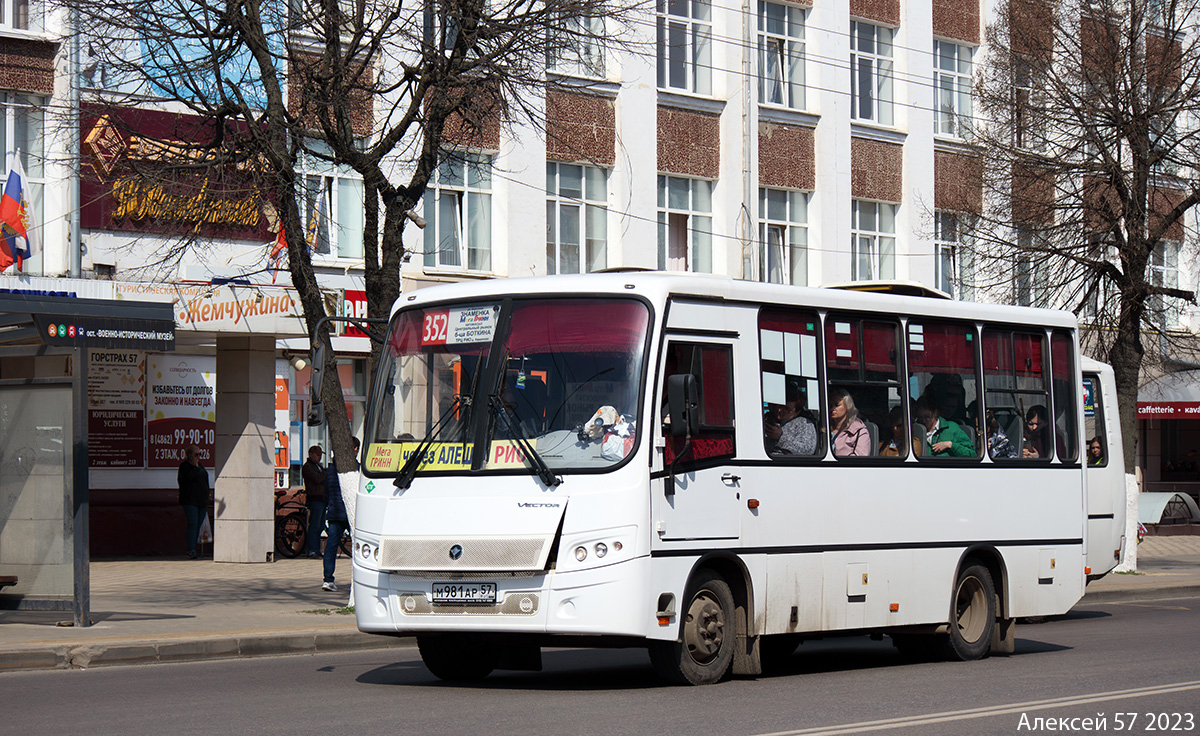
282 425
181 406
116 409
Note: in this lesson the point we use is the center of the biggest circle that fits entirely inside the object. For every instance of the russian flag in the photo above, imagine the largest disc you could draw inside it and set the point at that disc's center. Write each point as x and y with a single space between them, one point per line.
15 241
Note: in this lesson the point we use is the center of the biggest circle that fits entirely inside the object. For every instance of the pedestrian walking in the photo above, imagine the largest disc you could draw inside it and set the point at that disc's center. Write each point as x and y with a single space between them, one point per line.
193 495
336 518
314 498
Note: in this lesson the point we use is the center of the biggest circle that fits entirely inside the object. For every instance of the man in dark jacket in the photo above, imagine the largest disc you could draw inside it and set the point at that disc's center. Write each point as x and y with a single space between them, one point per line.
335 515
314 498
193 495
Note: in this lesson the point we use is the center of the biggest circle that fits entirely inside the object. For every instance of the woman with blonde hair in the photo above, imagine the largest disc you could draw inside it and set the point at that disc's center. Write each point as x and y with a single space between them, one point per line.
850 436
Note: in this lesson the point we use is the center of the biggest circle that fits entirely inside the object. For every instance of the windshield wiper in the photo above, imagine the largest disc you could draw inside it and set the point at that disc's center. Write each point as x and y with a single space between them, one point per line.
539 465
405 479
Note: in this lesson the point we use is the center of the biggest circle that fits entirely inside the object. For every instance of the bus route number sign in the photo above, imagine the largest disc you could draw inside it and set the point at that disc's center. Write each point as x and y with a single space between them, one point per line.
434 328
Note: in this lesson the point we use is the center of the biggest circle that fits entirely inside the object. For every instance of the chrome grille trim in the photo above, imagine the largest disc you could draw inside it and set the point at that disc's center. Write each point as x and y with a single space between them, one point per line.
479 554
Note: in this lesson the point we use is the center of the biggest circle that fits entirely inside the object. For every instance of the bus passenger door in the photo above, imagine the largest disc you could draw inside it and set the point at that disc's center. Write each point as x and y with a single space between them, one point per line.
696 495
1105 477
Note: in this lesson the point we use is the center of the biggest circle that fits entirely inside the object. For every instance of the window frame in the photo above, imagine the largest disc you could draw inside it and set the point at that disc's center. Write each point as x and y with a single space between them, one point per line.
577 51
23 128
796 230
480 165
334 240
698 230
876 239
787 48
875 67
953 253
694 51
955 84
592 209
771 368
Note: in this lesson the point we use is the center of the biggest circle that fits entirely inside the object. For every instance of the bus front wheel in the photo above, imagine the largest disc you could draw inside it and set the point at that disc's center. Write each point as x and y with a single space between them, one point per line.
972 614
457 657
705 650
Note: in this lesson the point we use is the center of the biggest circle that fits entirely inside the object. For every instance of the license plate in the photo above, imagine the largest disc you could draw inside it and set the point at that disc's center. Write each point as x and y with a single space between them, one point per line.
464 592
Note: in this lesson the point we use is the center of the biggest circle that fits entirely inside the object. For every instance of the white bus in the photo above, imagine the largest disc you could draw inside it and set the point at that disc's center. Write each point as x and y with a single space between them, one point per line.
673 462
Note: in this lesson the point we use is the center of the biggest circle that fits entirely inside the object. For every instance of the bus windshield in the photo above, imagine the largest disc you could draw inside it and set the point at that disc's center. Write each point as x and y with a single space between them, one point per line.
549 382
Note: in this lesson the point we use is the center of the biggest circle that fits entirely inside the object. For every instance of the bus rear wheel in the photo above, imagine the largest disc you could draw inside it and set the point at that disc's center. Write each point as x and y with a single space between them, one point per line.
705 651
457 657
972 614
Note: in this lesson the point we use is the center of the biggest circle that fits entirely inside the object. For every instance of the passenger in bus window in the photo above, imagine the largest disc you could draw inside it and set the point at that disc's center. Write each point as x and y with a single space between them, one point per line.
948 392
998 443
946 439
892 447
1037 434
850 436
787 430
1095 451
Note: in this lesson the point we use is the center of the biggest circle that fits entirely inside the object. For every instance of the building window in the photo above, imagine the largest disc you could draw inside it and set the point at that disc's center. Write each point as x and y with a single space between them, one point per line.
21 132
684 224
952 80
1029 119
574 46
783 233
576 218
458 213
1164 272
873 241
781 54
333 204
954 260
685 45
871 72
1029 278
25 15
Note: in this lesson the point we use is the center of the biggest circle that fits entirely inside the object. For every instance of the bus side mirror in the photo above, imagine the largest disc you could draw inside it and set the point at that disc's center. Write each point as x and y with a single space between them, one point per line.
316 411
683 406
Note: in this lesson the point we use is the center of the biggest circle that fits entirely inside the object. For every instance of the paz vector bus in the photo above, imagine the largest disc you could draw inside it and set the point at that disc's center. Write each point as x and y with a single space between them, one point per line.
715 470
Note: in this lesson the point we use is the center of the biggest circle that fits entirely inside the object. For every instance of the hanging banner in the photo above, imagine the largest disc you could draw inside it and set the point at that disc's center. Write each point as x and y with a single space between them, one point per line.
282 424
181 408
116 409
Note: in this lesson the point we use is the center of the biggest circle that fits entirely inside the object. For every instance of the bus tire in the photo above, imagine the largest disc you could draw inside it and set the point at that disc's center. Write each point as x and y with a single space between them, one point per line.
972 614
704 651
457 657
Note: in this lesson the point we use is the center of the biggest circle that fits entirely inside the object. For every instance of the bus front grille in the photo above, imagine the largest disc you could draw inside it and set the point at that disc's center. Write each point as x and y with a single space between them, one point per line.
464 554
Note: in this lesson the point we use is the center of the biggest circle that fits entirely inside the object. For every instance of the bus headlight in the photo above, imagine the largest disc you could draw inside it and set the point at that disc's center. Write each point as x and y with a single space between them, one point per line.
601 549
580 554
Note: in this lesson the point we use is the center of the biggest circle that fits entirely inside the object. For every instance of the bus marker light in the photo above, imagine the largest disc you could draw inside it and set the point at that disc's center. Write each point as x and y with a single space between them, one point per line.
895 607
617 546
581 553
752 503
664 620
1087 571
601 549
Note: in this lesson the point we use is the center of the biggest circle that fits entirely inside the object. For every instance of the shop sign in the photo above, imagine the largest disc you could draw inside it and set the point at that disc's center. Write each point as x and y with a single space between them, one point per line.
135 176
1168 409
181 408
353 304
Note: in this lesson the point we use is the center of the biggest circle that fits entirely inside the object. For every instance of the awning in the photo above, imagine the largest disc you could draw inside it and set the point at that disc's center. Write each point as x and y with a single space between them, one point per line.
1168 508
1171 396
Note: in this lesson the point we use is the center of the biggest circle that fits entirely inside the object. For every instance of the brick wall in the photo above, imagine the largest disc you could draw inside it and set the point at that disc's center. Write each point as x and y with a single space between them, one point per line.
785 156
882 11
957 182
689 142
876 170
27 66
580 127
956 19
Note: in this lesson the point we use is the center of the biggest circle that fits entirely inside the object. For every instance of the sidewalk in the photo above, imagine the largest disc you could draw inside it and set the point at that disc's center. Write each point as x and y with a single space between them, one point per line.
173 610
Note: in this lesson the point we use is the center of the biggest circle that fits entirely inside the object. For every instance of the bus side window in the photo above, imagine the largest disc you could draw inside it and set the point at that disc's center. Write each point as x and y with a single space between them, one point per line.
943 374
1062 372
788 358
712 365
1093 422
1017 393
862 367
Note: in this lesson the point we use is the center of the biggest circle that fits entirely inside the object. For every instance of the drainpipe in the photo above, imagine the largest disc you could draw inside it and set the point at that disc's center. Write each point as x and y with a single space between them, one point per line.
75 136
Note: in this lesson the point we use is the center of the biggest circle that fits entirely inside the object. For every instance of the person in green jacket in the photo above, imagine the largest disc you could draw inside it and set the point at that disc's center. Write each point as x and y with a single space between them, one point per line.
946 438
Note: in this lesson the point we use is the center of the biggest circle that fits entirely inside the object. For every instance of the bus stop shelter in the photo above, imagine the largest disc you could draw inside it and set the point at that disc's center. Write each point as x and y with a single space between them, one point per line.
44 344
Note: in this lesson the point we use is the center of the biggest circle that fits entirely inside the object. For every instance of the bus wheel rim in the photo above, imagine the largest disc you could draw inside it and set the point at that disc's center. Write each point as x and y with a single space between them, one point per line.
704 632
971 609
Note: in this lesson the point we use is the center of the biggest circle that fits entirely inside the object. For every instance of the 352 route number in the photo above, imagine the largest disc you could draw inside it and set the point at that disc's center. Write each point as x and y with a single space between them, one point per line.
433 330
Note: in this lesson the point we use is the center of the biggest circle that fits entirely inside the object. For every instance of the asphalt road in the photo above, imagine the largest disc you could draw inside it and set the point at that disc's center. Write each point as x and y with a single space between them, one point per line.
1099 661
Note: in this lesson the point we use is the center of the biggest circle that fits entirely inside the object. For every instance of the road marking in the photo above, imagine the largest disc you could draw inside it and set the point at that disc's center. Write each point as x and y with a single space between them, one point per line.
990 711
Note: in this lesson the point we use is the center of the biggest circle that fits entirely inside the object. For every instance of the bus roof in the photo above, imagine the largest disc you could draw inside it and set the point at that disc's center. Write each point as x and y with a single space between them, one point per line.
659 286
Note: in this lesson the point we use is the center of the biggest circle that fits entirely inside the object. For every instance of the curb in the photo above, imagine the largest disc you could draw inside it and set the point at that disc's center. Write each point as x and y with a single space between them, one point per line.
1131 594
83 655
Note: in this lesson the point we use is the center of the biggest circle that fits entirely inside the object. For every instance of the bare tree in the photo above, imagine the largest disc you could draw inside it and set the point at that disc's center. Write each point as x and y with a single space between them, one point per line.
1088 155
389 89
